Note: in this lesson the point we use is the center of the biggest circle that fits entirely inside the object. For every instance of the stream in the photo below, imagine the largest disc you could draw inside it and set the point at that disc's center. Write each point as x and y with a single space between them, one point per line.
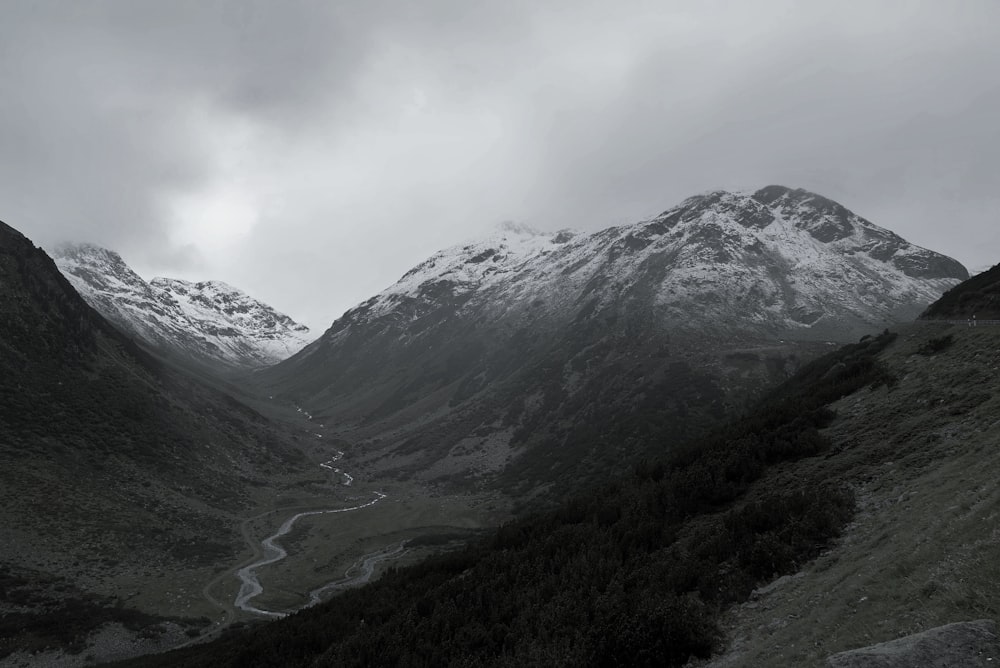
272 552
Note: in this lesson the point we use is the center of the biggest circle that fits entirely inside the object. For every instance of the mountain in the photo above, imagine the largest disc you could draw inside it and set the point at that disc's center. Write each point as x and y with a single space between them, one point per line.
529 357
856 505
777 261
209 321
122 479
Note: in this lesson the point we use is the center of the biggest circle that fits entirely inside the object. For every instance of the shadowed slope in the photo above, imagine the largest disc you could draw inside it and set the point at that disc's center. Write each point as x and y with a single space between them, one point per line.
115 469
979 296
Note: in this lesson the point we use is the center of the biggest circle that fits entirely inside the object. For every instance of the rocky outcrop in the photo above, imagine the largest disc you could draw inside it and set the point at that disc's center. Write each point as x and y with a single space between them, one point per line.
959 645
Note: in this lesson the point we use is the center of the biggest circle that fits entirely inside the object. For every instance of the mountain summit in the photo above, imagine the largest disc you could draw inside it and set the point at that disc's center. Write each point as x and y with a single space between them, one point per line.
778 260
522 338
208 321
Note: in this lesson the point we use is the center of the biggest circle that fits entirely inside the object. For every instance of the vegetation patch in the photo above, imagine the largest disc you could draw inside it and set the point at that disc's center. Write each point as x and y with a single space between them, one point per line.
43 612
935 345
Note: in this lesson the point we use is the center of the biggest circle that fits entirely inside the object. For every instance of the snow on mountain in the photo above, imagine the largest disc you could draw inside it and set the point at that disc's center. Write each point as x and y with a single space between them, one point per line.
209 320
274 335
776 260
539 357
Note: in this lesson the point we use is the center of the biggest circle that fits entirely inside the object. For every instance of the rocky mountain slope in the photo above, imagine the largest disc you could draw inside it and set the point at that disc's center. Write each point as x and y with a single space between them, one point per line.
121 478
526 341
208 321
776 261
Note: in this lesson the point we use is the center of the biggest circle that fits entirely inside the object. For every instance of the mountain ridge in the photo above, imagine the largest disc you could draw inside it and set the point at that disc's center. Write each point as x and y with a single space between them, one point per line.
210 322
978 297
510 249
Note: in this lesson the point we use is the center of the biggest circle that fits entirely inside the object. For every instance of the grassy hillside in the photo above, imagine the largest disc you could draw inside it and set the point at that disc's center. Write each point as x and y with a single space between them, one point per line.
979 296
922 458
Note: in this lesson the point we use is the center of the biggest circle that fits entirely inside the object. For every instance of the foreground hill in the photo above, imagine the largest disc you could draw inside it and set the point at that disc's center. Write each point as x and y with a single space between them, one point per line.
207 322
525 358
921 457
979 296
120 477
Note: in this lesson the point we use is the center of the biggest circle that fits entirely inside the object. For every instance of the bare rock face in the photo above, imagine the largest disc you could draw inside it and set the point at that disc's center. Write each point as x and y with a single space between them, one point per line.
959 645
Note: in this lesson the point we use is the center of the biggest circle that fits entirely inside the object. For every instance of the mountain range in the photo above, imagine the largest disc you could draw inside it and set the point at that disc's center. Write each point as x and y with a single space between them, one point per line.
207 322
546 343
521 361
523 368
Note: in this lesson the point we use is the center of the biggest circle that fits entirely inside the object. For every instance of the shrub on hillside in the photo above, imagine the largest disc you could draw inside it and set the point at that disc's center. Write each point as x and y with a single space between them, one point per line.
935 345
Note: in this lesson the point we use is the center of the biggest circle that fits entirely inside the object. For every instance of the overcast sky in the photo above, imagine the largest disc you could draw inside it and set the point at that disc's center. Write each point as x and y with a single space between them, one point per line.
311 152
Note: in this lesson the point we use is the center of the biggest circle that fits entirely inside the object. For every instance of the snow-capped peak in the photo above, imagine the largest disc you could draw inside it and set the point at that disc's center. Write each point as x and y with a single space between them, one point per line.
775 259
208 320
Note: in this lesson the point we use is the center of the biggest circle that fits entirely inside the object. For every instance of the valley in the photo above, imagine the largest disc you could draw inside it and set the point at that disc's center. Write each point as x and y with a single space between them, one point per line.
323 548
132 492
489 385
307 536
613 334
909 444
336 526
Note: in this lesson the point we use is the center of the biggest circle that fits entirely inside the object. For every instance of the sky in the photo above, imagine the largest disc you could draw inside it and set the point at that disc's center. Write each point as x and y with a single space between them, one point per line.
310 153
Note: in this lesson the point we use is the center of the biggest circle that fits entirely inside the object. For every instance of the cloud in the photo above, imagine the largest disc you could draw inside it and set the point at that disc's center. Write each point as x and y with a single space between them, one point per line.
311 152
